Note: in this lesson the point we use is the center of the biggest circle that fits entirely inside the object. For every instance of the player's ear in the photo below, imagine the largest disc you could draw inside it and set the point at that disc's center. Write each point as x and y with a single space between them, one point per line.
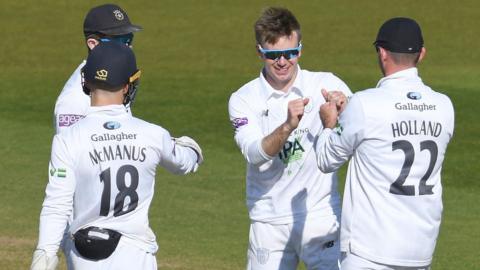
259 53
125 89
423 52
300 51
382 53
91 43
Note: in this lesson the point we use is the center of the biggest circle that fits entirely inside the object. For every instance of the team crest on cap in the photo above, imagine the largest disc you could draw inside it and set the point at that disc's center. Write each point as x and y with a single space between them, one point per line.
101 75
118 14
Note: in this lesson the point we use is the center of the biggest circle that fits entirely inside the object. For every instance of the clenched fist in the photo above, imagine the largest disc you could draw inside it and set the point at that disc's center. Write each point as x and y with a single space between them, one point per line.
296 109
336 97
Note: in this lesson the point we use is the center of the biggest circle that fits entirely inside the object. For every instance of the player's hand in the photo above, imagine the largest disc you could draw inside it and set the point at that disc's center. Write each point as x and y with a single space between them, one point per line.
296 109
329 114
336 97
41 261
189 142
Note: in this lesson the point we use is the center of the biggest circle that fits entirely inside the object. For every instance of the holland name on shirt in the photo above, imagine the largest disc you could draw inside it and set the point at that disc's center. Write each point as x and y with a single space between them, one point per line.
416 127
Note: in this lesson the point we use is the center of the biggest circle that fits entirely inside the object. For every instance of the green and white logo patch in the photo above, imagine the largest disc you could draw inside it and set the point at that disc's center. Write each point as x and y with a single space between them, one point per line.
338 129
60 172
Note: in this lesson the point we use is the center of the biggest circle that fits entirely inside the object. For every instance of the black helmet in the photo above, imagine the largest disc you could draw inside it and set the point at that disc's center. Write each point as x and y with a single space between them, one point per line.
110 66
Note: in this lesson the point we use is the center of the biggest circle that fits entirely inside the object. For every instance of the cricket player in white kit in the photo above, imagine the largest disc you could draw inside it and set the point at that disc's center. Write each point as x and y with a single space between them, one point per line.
395 136
292 205
103 169
102 23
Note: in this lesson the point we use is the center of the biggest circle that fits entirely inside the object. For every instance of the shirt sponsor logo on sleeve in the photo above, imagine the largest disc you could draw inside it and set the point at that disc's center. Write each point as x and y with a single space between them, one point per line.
238 122
66 120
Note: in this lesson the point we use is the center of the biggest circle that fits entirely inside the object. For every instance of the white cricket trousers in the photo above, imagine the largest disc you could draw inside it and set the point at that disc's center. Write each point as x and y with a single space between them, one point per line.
125 257
350 261
313 240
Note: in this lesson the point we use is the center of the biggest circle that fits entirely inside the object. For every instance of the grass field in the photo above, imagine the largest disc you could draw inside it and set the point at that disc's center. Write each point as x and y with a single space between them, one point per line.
194 54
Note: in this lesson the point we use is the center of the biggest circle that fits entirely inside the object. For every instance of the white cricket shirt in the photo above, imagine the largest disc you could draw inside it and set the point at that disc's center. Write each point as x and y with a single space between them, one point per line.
396 135
290 183
103 168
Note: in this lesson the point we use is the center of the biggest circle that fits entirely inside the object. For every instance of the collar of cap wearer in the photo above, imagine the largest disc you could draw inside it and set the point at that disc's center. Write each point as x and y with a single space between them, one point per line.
409 73
112 110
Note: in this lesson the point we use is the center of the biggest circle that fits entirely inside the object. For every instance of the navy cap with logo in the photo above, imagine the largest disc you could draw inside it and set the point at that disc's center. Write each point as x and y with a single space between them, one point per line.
401 35
110 65
108 19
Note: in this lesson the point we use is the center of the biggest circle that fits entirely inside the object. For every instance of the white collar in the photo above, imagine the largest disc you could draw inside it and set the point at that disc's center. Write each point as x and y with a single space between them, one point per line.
268 91
115 109
410 74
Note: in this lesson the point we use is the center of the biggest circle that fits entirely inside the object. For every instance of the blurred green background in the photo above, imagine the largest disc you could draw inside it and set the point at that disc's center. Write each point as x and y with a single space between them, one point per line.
193 55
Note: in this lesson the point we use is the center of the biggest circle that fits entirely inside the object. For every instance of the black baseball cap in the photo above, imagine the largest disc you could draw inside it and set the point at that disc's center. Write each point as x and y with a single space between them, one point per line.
110 65
108 19
401 35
